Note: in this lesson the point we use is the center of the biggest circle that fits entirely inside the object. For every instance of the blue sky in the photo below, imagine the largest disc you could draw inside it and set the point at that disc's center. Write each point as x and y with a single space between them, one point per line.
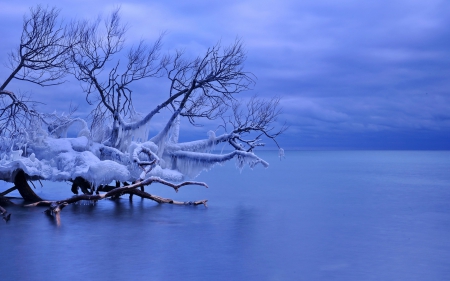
351 74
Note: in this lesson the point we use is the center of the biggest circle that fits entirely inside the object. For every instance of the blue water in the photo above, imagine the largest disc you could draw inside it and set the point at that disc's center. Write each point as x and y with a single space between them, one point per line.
344 215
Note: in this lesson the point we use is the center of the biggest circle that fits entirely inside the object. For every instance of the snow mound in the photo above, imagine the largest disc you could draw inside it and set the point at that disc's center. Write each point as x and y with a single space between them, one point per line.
104 172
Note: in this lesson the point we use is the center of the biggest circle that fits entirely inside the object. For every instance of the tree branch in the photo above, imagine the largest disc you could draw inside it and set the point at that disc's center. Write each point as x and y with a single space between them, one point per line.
57 206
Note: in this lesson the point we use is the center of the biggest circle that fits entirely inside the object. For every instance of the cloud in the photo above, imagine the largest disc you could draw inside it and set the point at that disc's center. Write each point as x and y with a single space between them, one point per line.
341 67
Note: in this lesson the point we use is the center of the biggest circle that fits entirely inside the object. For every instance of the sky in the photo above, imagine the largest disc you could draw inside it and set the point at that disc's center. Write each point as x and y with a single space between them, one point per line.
351 74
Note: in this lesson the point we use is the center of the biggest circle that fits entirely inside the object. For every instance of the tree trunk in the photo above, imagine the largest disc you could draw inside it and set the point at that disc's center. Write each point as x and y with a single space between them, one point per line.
20 181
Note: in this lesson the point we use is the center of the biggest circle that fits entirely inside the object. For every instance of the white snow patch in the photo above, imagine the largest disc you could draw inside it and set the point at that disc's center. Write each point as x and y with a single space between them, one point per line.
104 172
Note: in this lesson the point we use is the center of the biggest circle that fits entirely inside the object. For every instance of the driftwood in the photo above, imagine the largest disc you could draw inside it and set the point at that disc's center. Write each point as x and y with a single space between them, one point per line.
113 192
20 184
8 191
56 206
20 181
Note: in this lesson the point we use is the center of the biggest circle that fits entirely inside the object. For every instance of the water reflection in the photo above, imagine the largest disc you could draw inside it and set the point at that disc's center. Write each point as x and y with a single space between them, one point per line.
326 216
54 219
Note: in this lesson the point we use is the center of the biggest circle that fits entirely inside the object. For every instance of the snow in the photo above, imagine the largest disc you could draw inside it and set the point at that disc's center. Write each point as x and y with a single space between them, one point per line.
167 174
52 157
104 172
79 144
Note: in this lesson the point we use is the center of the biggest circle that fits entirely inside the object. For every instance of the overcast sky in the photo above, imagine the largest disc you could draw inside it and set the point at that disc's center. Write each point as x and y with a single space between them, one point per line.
352 74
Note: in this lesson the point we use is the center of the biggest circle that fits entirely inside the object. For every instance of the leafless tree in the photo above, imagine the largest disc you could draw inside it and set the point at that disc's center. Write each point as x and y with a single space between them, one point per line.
112 93
259 116
200 89
40 58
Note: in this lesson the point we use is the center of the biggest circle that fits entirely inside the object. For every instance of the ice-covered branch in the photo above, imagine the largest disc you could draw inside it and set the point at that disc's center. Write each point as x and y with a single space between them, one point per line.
148 152
204 145
59 126
192 163
208 158
111 153
116 147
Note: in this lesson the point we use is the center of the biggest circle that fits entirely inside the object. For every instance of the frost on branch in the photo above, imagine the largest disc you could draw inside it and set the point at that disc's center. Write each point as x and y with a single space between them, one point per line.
113 145
49 157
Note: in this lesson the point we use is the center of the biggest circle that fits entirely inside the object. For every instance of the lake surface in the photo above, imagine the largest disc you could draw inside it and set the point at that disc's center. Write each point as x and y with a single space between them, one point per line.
316 215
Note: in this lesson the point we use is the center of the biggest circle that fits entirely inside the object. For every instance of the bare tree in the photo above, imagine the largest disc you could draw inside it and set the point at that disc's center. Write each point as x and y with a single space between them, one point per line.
40 58
258 116
112 93
201 89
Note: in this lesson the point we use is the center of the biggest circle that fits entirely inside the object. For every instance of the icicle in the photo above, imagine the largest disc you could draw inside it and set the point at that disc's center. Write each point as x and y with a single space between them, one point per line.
119 136
175 130
192 163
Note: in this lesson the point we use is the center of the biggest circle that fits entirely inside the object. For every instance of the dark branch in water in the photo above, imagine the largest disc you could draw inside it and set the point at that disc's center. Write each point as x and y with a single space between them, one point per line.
56 206
3 212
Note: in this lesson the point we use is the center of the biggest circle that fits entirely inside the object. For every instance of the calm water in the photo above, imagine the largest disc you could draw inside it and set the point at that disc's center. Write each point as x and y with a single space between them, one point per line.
347 215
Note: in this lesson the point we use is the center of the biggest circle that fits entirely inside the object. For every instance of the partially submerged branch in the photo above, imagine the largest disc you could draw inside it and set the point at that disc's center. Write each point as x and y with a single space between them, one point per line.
57 206
6 216
8 191
161 200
